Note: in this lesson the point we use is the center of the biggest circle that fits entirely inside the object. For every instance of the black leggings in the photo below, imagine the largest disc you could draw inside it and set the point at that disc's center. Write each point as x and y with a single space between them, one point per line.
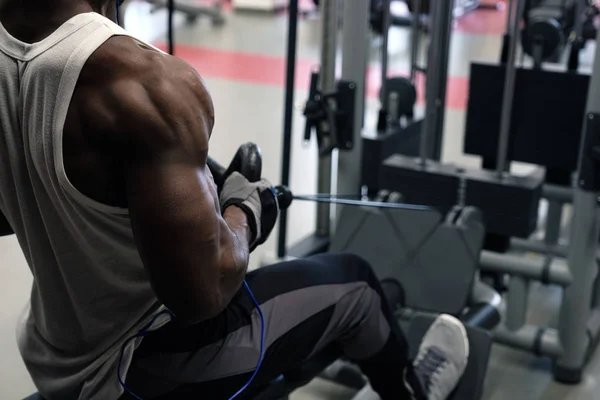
328 302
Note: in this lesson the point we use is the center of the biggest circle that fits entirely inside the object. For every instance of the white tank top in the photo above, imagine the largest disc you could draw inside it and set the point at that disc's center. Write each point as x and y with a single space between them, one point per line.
90 292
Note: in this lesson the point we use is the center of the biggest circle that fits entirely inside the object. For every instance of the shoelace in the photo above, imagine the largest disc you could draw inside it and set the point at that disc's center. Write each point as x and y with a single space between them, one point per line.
429 364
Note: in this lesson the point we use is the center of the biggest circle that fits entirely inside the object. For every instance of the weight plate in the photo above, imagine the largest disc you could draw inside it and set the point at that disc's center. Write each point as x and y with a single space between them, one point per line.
549 31
407 94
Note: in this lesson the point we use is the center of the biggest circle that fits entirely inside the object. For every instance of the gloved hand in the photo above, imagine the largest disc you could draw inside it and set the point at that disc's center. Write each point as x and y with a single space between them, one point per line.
257 199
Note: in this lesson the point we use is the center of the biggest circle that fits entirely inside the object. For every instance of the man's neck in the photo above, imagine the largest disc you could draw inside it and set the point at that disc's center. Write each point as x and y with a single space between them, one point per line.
33 20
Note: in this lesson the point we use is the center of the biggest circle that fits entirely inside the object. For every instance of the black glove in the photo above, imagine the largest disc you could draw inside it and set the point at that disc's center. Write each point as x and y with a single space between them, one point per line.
257 199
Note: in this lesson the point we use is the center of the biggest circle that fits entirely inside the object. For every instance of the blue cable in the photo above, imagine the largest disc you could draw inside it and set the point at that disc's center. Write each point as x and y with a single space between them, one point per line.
262 342
144 331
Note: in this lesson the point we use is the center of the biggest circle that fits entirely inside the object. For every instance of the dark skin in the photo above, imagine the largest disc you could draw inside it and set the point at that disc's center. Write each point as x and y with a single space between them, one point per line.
136 137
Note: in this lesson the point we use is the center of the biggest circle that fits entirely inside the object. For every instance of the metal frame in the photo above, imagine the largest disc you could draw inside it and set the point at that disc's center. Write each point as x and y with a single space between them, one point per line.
515 14
193 9
329 15
288 119
355 45
579 325
415 40
345 165
579 322
463 7
442 15
578 328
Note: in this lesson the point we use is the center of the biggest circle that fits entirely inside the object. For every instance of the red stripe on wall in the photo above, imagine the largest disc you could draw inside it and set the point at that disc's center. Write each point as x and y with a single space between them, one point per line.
270 70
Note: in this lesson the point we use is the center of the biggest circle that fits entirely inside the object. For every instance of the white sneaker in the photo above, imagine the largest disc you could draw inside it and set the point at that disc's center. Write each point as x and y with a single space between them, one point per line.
442 357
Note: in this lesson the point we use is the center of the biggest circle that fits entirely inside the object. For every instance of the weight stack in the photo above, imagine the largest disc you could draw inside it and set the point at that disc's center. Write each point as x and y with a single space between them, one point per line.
378 147
509 204
435 185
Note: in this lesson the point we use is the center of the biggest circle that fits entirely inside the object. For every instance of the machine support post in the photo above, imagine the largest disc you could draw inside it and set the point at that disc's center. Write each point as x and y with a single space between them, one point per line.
516 302
415 40
437 72
437 131
553 222
582 254
580 5
576 40
290 78
507 32
510 22
536 339
509 86
577 297
355 45
384 53
329 18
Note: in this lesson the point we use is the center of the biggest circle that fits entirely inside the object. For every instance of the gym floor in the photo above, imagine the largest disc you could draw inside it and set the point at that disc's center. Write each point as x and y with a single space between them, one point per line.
243 64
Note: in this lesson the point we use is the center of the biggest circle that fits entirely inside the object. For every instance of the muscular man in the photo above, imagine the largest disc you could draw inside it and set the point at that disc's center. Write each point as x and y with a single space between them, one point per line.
103 177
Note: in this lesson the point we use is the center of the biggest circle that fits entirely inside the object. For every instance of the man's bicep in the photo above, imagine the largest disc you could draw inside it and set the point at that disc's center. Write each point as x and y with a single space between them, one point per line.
175 221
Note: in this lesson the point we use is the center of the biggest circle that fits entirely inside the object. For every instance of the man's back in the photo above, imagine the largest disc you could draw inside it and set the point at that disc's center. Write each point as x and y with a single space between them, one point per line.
90 289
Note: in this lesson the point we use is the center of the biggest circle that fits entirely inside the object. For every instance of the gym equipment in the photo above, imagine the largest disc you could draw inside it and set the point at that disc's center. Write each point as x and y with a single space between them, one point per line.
421 138
192 9
330 115
398 95
421 8
402 97
461 7
355 219
550 24
424 135
247 161
545 128
547 114
578 329
397 133
411 244
546 121
510 204
579 322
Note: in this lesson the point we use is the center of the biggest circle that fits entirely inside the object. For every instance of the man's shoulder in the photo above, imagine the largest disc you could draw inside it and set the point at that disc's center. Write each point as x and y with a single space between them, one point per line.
126 88
122 58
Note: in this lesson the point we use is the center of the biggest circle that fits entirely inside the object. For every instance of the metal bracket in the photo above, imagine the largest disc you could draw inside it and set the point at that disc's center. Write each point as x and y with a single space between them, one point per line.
331 115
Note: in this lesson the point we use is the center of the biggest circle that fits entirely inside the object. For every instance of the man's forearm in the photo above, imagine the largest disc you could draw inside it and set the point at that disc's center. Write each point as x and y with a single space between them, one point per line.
236 253
237 221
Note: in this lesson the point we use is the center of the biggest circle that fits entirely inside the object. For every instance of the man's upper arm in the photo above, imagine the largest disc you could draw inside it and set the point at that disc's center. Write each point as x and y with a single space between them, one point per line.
165 120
